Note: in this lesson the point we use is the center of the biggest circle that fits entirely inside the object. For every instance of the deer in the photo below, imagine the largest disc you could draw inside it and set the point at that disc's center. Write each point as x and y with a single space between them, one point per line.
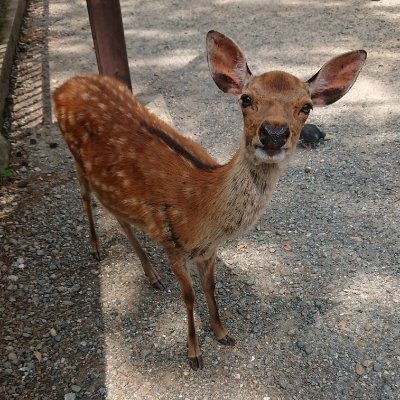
154 179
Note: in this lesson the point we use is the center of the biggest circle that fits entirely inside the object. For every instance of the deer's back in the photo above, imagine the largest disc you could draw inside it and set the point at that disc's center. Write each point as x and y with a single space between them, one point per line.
139 167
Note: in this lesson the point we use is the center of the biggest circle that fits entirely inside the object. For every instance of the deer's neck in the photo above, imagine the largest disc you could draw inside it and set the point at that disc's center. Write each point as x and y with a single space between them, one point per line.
244 189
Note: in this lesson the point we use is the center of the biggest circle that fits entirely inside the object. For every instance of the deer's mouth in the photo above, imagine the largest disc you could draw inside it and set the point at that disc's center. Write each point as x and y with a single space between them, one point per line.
263 154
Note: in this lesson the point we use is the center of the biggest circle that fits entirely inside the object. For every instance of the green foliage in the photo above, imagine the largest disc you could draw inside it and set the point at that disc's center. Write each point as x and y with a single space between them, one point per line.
6 173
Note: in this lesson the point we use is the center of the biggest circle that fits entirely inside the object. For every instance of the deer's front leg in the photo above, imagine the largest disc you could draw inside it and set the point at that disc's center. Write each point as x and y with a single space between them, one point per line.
207 274
185 283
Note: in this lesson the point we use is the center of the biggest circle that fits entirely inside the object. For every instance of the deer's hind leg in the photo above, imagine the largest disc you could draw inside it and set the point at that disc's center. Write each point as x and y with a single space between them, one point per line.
87 204
148 269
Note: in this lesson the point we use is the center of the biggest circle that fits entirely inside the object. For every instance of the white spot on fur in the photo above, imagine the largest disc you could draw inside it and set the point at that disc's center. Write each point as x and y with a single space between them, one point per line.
131 201
88 165
175 212
188 191
85 137
85 96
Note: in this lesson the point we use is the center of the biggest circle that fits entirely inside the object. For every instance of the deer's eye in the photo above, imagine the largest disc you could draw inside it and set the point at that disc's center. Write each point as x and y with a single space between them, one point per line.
306 108
246 101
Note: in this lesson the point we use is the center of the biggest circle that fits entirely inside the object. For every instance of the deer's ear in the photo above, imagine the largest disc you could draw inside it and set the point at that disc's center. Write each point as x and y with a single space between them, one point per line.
227 63
336 77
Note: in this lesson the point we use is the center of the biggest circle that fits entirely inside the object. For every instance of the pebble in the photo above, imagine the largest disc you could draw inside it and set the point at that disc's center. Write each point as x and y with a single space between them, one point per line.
308 350
367 327
12 278
308 170
13 357
283 383
76 388
70 396
367 363
377 367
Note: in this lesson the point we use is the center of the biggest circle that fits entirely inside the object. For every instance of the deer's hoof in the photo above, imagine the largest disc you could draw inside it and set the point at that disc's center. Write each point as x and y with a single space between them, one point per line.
96 255
227 341
196 362
158 285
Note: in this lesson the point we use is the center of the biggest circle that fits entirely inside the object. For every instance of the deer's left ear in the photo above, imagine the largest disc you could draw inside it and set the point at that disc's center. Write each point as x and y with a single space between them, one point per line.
227 63
336 77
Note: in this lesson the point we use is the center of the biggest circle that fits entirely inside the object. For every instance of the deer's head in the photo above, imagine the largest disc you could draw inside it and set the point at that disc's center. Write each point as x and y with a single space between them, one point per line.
276 104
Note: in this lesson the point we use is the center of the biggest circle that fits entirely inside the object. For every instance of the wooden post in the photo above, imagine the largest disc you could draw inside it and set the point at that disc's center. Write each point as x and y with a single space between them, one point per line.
109 39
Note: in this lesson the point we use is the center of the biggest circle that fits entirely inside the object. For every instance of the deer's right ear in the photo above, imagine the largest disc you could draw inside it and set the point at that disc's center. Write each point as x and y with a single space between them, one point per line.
227 63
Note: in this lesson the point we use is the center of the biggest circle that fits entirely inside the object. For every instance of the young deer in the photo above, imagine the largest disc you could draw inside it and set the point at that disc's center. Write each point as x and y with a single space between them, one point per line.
148 175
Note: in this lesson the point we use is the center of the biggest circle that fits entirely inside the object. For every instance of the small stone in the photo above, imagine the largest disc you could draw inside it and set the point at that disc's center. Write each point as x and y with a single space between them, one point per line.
53 332
13 357
283 384
12 278
367 327
308 170
75 388
308 350
70 396
291 332
318 304
367 363
377 367
145 353
359 369
300 344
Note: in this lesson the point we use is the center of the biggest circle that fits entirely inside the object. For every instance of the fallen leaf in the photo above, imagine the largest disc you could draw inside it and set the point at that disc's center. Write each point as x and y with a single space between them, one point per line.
344 325
242 246
359 369
287 247
38 355
329 137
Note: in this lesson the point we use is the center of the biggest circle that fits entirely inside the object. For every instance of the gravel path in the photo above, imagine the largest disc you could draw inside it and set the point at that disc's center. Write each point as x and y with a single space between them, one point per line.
312 294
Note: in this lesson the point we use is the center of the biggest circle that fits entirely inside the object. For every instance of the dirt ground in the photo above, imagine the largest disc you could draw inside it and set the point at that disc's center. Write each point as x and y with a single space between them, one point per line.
311 294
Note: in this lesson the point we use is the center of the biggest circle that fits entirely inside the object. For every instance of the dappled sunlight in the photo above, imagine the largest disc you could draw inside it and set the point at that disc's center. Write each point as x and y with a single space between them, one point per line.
374 297
372 91
176 58
159 34
8 203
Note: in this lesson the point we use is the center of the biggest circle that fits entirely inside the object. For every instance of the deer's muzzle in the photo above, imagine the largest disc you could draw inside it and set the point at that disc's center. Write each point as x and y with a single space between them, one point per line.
273 137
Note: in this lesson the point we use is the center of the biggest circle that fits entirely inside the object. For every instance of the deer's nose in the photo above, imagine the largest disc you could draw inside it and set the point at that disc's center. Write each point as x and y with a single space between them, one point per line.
273 137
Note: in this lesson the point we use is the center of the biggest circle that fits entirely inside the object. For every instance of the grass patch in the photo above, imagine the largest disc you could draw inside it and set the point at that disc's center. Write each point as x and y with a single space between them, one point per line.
6 173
